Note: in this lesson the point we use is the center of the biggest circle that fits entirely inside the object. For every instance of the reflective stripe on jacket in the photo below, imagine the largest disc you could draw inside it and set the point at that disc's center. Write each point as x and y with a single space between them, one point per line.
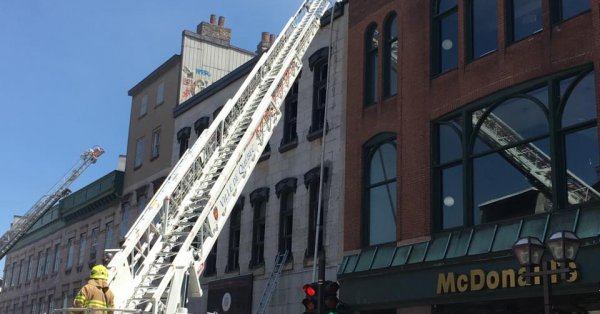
95 294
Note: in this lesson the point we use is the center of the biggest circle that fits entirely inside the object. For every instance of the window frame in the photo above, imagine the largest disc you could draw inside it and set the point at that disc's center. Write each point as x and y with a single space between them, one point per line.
558 14
371 73
143 106
139 153
259 199
510 24
160 94
387 54
155 148
312 184
285 190
289 139
437 18
183 138
235 228
556 136
318 63
470 34
369 148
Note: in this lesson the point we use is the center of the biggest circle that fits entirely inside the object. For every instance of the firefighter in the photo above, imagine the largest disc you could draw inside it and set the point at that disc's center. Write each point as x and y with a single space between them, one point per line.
96 294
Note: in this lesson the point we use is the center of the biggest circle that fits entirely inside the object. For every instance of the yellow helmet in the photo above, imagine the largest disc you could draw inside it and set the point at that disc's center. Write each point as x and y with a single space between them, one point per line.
99 272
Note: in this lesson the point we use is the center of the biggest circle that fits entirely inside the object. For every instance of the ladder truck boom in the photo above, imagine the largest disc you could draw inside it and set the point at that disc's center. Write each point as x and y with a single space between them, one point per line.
171 239
58 191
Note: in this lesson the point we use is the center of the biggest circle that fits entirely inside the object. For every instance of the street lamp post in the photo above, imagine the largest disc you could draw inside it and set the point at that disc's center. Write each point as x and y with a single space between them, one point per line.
563 245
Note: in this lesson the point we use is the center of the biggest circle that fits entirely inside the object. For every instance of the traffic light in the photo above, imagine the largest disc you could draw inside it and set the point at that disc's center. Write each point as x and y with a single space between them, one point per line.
311 298
329 297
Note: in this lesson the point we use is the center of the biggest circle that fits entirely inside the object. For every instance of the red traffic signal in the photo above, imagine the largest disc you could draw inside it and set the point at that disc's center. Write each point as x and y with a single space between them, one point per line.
310 301
309 290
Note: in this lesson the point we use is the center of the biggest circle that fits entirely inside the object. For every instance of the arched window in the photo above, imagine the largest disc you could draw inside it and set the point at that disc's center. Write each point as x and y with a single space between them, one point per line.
371 47
445 36
318 63
390 81
528 152
379 205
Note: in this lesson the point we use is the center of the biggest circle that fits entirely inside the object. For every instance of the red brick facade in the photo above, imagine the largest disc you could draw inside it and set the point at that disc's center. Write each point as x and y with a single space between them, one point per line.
422 98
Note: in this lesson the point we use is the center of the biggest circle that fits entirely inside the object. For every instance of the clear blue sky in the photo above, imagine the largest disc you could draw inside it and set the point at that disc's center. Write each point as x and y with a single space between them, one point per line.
66 67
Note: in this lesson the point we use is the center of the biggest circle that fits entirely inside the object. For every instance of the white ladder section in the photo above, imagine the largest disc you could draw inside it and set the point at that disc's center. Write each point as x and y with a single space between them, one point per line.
280 260
173 236
530 159
58 191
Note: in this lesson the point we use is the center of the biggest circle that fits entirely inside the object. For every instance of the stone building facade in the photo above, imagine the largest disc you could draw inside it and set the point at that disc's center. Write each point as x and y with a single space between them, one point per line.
277 207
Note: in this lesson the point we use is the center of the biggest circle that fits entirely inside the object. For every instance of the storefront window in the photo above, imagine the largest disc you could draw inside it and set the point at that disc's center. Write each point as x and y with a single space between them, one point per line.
515 161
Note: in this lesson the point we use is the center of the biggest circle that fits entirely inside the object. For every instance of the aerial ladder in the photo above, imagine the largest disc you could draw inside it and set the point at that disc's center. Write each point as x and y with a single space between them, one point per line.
530 159
57 192
159 264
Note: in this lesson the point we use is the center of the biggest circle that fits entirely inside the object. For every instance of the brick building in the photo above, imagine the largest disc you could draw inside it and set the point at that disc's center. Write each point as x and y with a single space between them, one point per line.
473 123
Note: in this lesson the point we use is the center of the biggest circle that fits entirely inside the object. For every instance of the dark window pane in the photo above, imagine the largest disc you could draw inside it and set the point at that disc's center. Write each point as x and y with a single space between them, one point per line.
383 163
503 183
514 120
485 27
372 44
526 18
541 95
445 5
452 197
450 143
571 8
449 42
581 104
582 166
382 214
391 57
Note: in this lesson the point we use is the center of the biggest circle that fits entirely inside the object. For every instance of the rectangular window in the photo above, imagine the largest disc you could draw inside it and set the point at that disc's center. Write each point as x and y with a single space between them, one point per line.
108 239
258 236
124 227
319 96
41 263
94 244
139 153
13 274
144 106
30 268
160 94
56 257
82 246
290 115
313 190
155 143
233 256
286 221
50 303
211 262
48 259
142 199
70 252
20 274
34 307
566 9
483 31
524 18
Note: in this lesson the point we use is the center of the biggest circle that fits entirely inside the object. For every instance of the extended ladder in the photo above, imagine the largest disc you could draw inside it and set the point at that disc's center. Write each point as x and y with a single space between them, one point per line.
58 191
531 160
173 236
280 260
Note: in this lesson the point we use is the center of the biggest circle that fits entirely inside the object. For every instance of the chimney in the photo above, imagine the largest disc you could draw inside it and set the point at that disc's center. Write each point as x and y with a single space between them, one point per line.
213 32
121 163
272 39
265 42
